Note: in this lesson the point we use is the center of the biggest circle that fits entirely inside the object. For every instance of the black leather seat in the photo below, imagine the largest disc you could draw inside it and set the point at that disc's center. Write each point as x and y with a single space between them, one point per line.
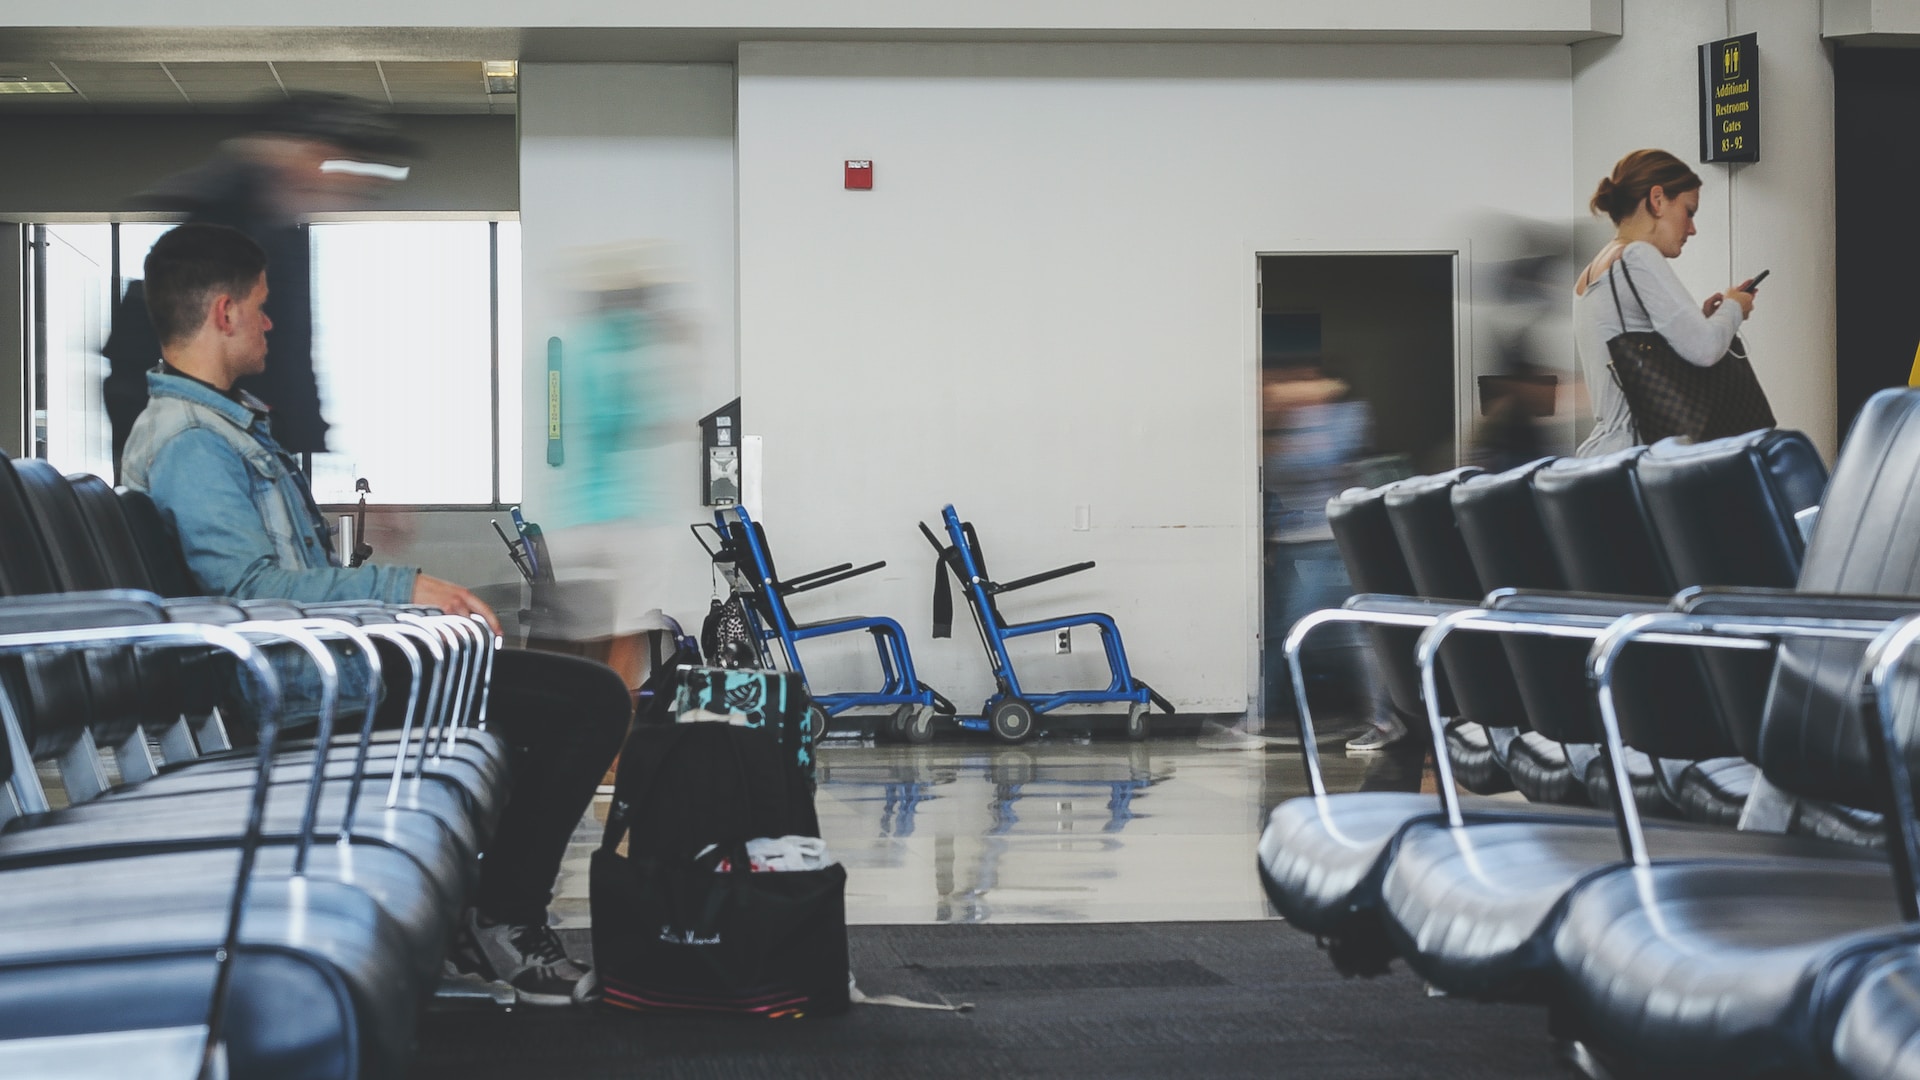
1878 1035
1690 968
1507 544
1600 535
476 772
1726 514
325 979
1491 716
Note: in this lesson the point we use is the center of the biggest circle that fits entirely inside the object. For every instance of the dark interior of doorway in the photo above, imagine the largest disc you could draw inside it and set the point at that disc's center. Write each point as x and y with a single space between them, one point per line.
1371 329
1876 94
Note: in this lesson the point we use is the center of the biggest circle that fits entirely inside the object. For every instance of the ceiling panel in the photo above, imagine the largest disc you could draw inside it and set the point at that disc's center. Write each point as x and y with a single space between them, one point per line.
223 83
359 78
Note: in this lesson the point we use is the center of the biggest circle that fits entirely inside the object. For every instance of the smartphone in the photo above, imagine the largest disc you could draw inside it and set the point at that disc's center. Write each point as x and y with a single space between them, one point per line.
1757 279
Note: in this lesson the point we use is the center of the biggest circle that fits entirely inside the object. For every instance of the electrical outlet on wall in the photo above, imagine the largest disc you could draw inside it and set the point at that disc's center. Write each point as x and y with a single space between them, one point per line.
1063 642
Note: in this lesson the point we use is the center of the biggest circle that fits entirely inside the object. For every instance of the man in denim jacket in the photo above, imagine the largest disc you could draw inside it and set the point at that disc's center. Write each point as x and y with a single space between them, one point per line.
249 528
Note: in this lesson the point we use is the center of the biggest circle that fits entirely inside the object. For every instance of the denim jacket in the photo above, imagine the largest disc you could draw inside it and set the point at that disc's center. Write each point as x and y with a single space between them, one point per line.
247 521
241 509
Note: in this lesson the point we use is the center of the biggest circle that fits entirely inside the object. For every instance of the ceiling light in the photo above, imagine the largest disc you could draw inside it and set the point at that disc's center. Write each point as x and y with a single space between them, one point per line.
20 84
503 76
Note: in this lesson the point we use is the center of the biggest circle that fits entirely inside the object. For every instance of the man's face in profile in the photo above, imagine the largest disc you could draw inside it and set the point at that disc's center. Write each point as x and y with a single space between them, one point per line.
250 330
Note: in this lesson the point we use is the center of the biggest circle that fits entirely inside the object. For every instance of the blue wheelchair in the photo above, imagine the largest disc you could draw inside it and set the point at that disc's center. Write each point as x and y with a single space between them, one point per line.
1011 714
741 554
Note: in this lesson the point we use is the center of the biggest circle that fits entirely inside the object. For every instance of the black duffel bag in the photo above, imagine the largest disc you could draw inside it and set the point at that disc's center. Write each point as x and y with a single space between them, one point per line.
674 931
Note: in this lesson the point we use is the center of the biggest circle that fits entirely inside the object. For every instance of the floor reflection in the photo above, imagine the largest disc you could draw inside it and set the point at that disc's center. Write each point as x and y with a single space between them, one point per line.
1057 830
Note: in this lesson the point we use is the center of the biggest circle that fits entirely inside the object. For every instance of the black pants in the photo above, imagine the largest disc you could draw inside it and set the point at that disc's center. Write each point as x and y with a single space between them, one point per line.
563 719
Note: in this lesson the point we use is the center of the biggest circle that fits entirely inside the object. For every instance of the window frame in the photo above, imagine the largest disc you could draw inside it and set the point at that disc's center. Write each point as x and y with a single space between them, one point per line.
29 368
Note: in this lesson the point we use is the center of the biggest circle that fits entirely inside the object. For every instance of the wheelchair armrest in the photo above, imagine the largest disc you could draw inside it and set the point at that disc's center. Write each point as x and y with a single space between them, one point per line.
1787 604
836 578
1035 579
793 583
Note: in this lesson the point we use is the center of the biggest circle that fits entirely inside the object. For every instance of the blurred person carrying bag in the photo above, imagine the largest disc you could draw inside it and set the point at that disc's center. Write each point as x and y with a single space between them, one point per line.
1668 396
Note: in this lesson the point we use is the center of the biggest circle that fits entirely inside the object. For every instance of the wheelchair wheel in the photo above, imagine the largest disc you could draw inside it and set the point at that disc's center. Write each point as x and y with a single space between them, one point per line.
918 728
893 727
1011 721
814 725
1137 726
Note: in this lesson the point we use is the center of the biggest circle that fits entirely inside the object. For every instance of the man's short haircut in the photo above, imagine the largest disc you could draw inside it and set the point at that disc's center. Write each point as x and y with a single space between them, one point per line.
191 265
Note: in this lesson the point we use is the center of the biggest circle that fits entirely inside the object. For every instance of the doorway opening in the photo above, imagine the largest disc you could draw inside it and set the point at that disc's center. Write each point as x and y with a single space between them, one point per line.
1359 386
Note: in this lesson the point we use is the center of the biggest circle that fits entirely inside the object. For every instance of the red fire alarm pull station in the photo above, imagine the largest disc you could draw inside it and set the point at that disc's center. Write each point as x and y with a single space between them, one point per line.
859 176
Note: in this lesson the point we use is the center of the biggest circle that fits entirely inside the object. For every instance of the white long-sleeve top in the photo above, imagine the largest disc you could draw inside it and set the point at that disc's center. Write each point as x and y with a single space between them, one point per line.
1669 309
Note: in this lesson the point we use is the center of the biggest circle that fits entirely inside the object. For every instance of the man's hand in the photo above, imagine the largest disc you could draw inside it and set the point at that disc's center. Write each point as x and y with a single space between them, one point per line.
452 599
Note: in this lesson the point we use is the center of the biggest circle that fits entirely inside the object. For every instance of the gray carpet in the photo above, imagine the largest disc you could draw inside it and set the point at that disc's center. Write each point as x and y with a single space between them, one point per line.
1106 1000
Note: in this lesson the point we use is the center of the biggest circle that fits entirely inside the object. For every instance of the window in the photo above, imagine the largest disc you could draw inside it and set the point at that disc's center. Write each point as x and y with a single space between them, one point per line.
416 350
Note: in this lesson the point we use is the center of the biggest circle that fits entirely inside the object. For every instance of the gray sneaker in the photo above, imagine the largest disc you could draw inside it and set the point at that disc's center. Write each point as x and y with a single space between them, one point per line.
1376 738
529 958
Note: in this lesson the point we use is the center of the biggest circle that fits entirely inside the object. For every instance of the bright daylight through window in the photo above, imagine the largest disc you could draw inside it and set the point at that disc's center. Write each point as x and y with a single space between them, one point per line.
408 319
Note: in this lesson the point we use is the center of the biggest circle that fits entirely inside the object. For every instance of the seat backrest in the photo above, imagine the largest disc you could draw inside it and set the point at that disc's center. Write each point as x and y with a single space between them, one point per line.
1598 527
106 524
1724 510
63 529
24 567
1375 564
159 548
1604 542
1867 542
1420 510
1364 534
1502 530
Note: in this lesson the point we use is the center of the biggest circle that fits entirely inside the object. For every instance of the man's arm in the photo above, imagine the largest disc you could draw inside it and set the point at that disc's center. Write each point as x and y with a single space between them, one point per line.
205 491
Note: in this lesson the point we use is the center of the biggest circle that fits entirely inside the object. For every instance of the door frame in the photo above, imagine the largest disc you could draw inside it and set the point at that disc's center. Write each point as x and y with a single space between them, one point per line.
1460 249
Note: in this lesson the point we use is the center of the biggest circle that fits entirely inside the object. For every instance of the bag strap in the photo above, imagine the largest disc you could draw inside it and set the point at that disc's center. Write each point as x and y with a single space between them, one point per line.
1632 288
942 598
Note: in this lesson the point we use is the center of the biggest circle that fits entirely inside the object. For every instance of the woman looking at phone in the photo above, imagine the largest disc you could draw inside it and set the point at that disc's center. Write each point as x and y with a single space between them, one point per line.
1652 198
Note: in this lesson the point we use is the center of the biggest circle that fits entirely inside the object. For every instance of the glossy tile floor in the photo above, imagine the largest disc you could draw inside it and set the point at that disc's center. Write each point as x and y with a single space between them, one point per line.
1057 830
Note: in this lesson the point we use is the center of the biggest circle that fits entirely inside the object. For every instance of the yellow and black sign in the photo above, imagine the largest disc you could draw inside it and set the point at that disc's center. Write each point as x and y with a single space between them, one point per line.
1730 99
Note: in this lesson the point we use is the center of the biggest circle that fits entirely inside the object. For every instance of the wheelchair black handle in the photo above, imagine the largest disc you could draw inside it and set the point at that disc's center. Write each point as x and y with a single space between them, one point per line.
795 582
710 527
1036 579
938 547
835 579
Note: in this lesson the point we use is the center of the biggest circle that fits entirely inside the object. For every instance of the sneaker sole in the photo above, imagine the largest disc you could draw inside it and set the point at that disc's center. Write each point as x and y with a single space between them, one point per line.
549 1001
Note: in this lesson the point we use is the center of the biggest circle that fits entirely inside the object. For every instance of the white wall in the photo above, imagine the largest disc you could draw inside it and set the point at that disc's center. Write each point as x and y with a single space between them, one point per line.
1640 90
633 152
1048 302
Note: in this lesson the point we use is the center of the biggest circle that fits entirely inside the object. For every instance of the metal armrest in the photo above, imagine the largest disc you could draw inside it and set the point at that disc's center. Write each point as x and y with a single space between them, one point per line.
1035 579
1369 609
1786 603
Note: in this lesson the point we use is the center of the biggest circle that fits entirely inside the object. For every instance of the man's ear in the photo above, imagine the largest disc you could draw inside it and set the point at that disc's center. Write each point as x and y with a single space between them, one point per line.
220 312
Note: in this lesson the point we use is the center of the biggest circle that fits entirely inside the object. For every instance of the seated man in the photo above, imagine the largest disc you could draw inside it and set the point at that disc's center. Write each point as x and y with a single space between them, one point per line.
249 527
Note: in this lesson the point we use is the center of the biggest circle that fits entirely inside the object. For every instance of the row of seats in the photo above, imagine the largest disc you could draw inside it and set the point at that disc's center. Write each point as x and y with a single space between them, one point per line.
220 884
1651 635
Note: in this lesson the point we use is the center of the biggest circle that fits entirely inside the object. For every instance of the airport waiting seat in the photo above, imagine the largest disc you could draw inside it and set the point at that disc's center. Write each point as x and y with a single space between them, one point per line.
1677 969
1501 530
1420 511
324 978
1728 513
1603 540
112 907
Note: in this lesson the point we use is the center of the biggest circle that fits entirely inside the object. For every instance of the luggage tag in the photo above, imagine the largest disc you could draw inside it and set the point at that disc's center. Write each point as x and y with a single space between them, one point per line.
748 698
